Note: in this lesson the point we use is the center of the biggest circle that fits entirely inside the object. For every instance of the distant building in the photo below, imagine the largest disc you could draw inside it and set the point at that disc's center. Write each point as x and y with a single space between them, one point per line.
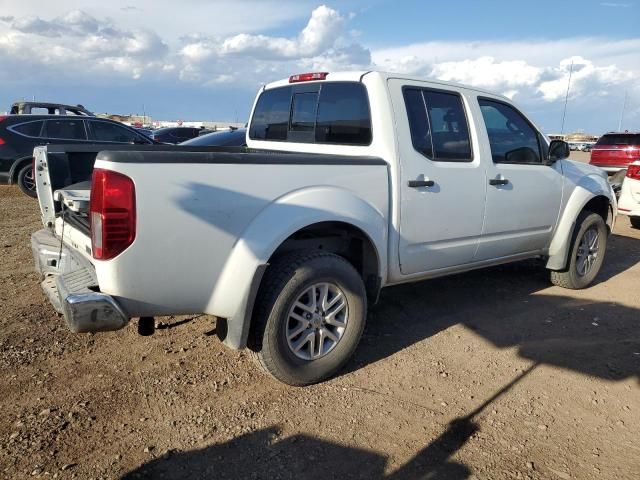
208 124
147 121
130 119
575 137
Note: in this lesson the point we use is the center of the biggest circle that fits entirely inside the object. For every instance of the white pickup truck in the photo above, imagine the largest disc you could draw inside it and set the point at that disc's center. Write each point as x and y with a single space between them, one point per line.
351 182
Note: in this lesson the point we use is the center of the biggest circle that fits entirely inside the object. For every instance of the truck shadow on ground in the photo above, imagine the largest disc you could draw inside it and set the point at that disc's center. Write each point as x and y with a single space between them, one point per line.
262 454
505 305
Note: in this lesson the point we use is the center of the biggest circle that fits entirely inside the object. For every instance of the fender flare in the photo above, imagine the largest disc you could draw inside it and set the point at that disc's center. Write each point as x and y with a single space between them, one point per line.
236 289
587 189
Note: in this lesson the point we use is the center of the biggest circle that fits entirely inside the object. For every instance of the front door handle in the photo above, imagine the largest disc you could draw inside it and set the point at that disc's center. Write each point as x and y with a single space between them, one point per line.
498 181
420 183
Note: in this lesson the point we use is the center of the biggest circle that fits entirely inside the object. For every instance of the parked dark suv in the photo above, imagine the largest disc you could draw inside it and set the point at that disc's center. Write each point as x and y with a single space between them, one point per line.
175 134
20 134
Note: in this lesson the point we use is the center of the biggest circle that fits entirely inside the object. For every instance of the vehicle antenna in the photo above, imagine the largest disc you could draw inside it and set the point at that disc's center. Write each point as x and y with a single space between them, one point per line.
566 98
624 106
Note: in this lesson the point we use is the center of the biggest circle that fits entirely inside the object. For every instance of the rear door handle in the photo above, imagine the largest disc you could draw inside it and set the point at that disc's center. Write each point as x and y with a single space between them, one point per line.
420 183
498 181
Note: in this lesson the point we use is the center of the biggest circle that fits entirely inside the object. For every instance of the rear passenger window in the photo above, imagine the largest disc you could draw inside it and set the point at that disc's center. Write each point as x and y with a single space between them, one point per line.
438 125
66 129
337 113
511 136
31 129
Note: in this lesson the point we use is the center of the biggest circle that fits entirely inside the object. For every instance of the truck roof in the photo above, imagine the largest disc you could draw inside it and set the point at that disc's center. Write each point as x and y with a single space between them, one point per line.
356 76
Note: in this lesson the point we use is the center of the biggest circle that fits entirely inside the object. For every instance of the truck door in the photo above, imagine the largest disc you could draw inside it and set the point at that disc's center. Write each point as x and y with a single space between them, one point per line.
442 182
524 193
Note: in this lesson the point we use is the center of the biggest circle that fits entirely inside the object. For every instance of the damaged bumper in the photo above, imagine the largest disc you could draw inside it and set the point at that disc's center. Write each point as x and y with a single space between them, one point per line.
70 283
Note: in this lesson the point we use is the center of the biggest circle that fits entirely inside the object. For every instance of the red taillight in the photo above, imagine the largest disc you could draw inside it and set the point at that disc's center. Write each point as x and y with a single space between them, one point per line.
2 142
307 77
2 118
113 213
633 171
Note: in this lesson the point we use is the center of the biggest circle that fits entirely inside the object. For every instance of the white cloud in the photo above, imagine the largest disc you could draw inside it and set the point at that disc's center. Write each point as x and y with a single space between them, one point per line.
219 46
324 43
534 73
616 5
320 34
488 73
586 79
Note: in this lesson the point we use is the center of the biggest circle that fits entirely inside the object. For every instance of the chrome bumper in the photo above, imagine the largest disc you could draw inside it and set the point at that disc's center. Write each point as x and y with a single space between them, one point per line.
70 283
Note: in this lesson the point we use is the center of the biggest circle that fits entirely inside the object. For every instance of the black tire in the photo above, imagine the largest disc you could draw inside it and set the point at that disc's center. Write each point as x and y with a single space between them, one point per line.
27 181
635 222
286 280
571 277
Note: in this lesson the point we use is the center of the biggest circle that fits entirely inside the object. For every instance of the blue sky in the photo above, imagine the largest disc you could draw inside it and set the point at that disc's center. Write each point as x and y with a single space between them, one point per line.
204 60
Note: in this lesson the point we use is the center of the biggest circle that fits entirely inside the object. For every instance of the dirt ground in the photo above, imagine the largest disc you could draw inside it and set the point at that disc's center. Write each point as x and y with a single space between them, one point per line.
489 375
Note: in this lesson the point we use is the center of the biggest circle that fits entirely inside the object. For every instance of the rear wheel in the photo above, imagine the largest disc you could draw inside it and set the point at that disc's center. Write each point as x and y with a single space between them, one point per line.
588 245
635 222
310 316
27 180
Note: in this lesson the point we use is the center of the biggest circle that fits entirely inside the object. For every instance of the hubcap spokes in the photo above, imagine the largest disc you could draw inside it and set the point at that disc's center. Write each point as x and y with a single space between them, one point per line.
28 180
587 251
317 321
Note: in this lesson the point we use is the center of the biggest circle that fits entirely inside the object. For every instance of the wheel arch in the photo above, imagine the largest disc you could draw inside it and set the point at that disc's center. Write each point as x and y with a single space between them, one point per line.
16 167
345 224
584 197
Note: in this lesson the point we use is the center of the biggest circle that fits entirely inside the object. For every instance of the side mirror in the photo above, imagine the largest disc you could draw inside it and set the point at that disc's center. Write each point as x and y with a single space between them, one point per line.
558 150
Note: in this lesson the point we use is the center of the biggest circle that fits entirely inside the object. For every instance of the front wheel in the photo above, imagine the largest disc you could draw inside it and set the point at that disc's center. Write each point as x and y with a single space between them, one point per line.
588 245
27 181
310 314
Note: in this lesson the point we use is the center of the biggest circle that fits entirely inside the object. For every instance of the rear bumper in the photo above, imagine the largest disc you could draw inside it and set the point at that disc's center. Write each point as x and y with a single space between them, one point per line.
5 178
70 283
610 168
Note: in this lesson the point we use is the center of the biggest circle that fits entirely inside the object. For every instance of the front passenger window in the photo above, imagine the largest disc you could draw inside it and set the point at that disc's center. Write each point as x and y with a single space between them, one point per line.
511 136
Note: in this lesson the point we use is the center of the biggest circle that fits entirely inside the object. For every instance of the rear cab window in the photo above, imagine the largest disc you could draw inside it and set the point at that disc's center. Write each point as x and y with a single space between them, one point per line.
323 113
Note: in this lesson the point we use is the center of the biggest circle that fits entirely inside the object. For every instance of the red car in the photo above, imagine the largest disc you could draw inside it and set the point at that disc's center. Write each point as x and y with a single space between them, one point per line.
616 151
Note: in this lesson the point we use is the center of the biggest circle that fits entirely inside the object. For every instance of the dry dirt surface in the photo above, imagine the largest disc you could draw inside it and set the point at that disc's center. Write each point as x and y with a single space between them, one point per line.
489 375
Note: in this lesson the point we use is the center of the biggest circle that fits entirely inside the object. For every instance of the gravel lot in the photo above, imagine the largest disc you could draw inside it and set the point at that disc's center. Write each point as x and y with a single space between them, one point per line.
489 375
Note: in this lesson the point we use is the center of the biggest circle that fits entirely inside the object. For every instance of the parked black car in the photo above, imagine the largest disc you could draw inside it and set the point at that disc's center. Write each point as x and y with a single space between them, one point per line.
175 134
20 134
224 138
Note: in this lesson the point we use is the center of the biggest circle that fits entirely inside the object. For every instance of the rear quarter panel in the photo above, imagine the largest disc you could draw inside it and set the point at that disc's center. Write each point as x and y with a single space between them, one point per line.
203 228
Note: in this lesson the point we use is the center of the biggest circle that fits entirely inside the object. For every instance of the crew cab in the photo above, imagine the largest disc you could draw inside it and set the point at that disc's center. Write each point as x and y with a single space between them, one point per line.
351 182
